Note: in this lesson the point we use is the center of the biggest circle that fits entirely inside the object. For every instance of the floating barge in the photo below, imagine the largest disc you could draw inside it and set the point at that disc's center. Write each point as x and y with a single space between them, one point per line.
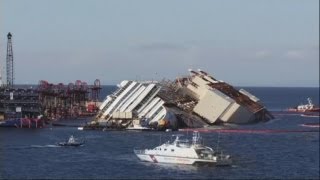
20 108
35 106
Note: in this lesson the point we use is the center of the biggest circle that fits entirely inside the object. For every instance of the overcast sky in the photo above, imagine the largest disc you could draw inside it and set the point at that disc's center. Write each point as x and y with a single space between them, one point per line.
244 43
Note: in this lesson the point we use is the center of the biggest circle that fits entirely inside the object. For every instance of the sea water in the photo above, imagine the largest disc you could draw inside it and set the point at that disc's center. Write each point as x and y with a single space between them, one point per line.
293 153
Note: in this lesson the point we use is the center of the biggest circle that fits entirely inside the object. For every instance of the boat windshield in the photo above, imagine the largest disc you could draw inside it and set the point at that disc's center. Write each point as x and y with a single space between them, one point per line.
183 143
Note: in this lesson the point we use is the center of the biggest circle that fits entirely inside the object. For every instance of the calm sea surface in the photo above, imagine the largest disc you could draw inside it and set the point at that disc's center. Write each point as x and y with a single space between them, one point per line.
32 153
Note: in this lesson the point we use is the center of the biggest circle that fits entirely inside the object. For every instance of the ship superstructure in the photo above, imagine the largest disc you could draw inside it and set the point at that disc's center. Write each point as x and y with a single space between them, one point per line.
219 102
197 100
133 100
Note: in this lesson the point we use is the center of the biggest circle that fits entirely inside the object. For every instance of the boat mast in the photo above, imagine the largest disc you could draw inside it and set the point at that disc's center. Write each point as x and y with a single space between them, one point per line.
310 102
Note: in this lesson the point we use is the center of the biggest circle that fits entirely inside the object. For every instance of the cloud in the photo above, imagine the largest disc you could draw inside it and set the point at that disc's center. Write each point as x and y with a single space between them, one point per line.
162 46
262 54
294 54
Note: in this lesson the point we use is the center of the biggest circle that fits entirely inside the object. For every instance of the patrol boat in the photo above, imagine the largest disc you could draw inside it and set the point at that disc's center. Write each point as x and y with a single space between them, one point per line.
184 152
71 142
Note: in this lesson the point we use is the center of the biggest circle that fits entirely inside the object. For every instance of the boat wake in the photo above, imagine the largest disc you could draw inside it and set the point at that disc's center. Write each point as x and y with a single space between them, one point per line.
31 147
310 115
312 125
287 114
257 131
45 146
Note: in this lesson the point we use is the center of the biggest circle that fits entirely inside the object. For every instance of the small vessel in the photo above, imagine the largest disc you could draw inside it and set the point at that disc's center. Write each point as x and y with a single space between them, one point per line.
80 128
71 142
310 107
138 128
184 152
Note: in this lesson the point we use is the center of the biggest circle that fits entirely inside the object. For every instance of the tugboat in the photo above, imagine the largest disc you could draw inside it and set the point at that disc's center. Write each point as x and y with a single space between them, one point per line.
71 142
183 152
310 107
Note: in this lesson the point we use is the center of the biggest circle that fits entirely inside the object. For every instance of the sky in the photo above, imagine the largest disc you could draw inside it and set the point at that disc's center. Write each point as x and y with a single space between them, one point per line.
244 43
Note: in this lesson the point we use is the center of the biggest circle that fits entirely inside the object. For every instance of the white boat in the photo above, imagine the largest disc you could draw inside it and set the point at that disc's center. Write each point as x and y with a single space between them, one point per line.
138 128
71 142
184 152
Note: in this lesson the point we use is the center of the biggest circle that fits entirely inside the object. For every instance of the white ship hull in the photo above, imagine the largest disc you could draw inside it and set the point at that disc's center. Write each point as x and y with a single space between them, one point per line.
184 152
181 160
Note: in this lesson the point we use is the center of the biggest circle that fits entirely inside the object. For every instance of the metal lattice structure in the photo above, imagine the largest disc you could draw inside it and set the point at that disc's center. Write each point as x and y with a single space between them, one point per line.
95 90
59 101
10 69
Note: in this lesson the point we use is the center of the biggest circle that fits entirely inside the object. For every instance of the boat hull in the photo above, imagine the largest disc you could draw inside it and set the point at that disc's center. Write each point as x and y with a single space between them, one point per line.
181 160
70 144
138 129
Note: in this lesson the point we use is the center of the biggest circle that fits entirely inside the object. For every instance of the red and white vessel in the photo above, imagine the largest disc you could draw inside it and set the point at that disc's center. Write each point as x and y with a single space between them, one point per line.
310 107
184 152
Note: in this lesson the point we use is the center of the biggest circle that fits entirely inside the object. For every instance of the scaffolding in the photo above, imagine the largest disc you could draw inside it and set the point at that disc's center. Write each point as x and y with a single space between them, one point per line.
59 101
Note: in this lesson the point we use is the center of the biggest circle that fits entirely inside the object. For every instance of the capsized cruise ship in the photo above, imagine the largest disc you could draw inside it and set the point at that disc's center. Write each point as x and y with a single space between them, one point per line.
196 100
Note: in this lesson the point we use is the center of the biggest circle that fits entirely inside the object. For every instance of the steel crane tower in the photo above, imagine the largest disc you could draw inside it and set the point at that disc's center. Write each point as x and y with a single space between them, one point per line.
1 83
10 72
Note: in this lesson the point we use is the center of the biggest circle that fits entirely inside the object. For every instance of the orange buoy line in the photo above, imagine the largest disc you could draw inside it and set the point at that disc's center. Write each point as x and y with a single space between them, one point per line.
248 130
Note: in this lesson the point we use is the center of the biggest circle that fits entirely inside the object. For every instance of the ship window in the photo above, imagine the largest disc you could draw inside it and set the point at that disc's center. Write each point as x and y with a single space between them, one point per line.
165 149
160 149
172 150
